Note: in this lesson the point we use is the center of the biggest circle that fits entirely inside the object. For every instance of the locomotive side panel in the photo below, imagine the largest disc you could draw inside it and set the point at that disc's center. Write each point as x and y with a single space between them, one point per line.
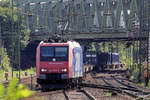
38 61
70 72
77 63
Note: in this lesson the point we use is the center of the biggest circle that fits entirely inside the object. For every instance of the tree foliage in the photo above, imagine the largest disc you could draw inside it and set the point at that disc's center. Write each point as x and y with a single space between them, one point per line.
12 25
5 66
14 91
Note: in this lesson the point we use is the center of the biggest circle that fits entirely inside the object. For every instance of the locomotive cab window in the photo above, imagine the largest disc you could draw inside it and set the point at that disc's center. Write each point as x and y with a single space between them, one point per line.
60 51
48 53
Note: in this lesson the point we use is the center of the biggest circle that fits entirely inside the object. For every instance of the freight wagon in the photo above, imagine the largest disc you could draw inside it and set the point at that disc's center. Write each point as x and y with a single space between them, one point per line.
101 60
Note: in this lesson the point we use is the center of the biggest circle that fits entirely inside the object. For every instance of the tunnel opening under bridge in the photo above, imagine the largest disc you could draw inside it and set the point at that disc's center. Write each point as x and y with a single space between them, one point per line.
28 55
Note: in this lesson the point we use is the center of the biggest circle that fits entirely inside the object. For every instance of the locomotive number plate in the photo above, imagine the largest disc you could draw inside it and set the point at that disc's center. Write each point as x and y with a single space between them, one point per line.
64 76
42 76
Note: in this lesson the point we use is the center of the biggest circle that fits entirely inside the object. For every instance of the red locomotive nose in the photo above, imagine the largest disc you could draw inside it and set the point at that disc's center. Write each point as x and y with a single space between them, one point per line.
54 67
59 62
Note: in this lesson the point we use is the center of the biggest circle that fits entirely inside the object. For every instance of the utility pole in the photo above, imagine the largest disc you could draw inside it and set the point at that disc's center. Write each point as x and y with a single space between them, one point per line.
0 45
0 35
12 23
141 41
148 42
18 35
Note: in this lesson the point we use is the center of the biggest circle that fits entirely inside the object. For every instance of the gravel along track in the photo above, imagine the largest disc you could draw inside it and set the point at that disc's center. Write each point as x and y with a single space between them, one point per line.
112 83
62 95
129 83
78 95
126 88
49 95
103 94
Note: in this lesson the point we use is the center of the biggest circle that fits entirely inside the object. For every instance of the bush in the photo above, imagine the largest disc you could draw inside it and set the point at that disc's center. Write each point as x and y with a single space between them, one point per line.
14 91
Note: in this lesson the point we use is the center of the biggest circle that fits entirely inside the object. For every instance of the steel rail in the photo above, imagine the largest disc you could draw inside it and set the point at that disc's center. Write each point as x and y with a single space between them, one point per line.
110 88
84 92
128 90
131 88
90 96
65 94
123 83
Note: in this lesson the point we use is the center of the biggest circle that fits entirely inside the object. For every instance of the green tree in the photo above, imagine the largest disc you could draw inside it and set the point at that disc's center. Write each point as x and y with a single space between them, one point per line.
14 91
5 66
14 33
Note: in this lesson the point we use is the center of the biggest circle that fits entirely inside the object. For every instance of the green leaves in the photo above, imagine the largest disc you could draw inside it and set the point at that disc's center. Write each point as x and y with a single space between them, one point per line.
5 60
11 90
14 31
2 91
14 91
23 92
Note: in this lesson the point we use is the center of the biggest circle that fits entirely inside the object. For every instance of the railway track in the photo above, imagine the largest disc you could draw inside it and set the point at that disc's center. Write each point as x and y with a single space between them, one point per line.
120 87
68 94
122 82
40 94
130 85
78 95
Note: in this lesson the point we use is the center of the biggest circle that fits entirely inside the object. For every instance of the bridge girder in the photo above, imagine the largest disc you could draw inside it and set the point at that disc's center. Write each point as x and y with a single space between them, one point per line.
81 16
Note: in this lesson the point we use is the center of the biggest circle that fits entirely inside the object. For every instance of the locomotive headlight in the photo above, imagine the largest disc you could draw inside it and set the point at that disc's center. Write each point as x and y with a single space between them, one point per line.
64 70
43 70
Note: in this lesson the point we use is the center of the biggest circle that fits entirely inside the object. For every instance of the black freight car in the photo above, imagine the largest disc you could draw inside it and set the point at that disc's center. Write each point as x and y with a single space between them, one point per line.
100 61
115 59
90 57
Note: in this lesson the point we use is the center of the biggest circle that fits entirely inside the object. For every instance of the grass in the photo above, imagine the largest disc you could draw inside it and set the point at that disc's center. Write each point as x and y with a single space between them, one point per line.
108 94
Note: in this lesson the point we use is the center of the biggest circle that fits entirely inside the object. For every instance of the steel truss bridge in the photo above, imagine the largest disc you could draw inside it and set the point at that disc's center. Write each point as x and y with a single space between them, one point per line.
88 20
82 19
94 20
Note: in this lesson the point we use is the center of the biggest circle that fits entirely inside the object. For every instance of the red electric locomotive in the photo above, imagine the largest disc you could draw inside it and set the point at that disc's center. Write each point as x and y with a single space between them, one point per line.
59 63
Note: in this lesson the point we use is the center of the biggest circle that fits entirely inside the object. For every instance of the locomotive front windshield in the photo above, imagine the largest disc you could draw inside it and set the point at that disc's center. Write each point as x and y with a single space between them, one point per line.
53 53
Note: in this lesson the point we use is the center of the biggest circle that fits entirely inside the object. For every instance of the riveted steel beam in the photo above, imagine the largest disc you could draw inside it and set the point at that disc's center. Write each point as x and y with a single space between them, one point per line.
76 16
118 14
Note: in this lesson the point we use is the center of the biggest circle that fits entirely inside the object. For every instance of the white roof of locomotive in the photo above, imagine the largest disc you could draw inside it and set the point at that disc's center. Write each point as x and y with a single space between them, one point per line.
73 44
